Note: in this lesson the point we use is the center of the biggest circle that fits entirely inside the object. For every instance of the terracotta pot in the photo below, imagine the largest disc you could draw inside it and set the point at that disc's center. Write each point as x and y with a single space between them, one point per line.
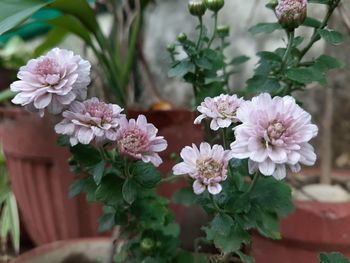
314 227
40 179
73 251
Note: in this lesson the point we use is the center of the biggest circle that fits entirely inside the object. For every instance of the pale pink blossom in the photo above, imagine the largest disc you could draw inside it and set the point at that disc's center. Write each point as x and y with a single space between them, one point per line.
52 82
221 110
138 139
275 133
291 13
89 120
206 165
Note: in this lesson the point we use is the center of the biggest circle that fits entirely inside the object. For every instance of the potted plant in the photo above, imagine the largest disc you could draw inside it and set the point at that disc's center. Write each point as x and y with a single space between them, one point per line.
236 176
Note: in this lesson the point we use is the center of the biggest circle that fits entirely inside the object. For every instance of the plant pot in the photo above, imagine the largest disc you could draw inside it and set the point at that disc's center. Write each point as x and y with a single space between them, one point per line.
314 227
91 250
178 129
40 179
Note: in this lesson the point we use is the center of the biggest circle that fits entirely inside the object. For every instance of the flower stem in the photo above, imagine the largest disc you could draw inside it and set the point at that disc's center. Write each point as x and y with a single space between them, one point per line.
214 31
224 138
200 33
288 50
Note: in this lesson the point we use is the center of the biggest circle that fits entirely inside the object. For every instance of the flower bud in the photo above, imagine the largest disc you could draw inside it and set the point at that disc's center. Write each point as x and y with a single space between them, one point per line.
197 8
291 13
147 244
182 37
273 3
223 31
214 5
171 47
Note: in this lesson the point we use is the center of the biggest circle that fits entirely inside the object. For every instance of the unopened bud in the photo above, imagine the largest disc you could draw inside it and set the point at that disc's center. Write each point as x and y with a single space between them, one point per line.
197 8
214 5
171 47
223 31
291 13
182 37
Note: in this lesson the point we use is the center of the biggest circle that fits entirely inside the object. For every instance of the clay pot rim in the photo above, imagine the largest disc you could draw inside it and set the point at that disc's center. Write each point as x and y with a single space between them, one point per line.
43 249
315 171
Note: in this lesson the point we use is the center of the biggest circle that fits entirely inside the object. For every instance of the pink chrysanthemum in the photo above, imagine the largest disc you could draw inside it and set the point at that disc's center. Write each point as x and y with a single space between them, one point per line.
291 13
274 133
221 109
138 139
206 165
89 120
52 81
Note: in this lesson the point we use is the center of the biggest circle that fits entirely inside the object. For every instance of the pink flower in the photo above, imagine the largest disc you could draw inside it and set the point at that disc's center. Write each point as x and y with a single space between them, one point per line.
291 13
274 134
89 120
206 165
138 139
52 81
221 109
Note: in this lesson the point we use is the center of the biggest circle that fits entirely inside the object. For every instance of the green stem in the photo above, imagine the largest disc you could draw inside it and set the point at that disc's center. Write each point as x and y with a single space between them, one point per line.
215 204
226 76
6 95
200 33
224 137
214 31
253 183
288 50
315 36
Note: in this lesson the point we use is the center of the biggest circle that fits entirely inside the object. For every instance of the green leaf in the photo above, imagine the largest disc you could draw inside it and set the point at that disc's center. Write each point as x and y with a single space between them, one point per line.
262 83
14 229
14 12
172 229
273 195
245 258
331 36
79 9
185 196
109 192
129 191
72 25
204 63
239 60
265 28
323 2
53 39
304 75
76 187
270 56
334 257
312 22
97 171
86 154
106 222
146 174
328 63
181 68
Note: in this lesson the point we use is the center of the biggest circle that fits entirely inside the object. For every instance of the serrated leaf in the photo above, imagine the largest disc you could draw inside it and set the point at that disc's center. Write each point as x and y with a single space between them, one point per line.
109 192
129 191
270 56
304 75
181 68
146 174
265 28
331 36
97 171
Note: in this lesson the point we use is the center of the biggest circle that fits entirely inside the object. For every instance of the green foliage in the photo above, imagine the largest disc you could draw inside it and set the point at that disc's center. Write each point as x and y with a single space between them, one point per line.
333 258
265 28
331 36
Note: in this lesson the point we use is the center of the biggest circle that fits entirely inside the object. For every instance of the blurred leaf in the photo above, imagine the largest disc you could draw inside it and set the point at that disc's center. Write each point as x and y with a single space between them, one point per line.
14 12
265 28
185 196
73 25
53 39
181 68
334 257
129 191
312 22
79 9
331 36
14 222
98 171
239 60
146 174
